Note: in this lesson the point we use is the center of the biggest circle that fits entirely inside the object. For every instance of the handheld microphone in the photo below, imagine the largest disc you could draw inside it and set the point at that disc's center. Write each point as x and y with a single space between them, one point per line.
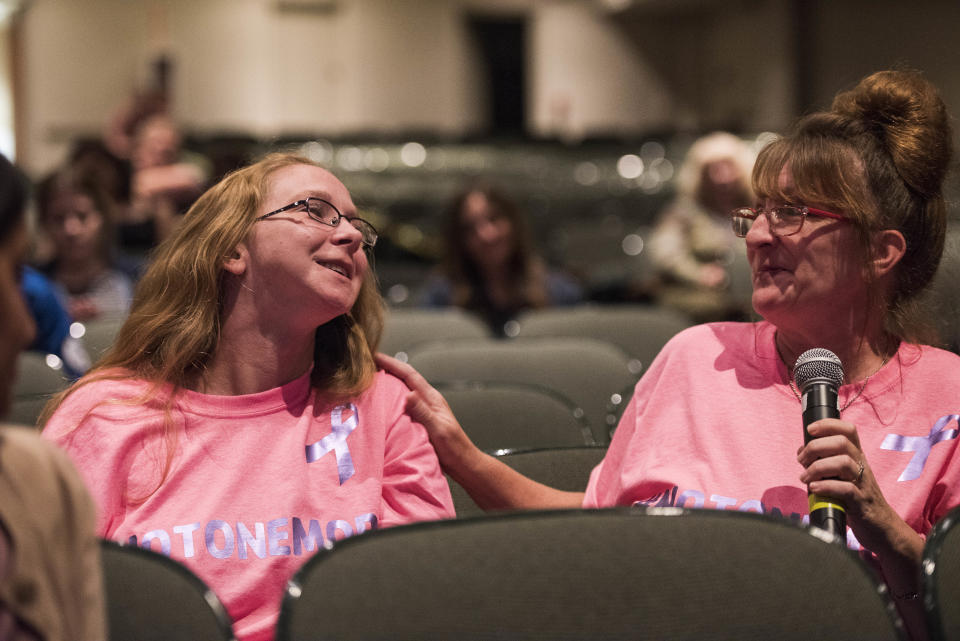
818 374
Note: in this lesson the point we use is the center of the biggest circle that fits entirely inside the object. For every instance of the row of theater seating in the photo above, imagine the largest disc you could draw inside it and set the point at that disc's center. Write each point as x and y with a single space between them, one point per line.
622 573
561 380
610 574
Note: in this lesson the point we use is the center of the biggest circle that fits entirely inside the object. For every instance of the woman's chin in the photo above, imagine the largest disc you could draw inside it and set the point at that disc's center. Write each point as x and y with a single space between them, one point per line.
768 307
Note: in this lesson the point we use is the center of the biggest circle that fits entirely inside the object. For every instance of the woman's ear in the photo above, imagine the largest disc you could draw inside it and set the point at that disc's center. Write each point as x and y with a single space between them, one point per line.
236 261
889 246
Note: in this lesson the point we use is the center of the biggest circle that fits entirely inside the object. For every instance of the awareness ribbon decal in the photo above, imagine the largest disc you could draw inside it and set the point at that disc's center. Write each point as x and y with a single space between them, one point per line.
336 440
920 445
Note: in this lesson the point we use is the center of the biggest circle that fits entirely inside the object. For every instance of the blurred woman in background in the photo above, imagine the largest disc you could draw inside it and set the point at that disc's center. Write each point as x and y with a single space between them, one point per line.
78 215
692 247
490 266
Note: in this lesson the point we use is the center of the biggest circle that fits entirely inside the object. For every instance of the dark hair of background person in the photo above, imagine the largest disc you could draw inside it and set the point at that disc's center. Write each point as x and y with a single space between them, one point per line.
528 287
895 127
113 173
14 186
81 181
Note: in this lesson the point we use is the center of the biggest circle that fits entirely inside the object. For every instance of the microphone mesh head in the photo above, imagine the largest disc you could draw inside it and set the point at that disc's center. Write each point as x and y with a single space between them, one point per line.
818 363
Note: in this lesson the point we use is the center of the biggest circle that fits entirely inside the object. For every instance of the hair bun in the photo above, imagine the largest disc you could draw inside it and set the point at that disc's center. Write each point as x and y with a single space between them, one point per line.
906 113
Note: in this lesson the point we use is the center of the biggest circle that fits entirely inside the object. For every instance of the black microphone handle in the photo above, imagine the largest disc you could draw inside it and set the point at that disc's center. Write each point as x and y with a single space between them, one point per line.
820 401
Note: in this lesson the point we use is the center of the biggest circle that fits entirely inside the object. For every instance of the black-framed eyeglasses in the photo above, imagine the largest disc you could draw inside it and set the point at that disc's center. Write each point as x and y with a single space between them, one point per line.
324 212
785 220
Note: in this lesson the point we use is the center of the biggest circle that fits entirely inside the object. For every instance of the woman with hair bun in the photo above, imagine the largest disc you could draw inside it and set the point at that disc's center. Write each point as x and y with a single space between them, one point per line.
846 232
238 423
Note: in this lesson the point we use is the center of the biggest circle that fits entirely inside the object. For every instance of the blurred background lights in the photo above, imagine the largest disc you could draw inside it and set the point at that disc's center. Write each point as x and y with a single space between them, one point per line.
632 244
586 173
413 154
663 169
398 293
350 158
630 166
320 152
511 329
652 150
376 159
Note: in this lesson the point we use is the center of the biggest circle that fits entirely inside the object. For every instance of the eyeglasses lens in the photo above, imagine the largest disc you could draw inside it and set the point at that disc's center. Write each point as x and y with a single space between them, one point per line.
366 230
322 211
787 220
741 225
783 221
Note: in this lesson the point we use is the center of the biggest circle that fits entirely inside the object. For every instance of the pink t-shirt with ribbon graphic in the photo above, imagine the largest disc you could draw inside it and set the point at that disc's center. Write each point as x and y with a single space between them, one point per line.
256 483
714 424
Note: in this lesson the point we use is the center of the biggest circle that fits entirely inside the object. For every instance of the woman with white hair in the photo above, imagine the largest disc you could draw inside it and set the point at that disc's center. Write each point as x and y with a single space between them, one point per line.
692 246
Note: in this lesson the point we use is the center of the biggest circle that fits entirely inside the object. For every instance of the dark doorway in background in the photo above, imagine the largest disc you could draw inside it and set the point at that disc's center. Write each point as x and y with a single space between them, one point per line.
502 44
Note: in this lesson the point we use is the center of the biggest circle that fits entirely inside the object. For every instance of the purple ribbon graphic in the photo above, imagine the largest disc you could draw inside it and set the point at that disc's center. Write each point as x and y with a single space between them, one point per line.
920 445
336 440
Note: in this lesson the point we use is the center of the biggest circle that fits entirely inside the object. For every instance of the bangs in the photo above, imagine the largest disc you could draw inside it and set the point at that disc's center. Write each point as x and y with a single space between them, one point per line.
825 173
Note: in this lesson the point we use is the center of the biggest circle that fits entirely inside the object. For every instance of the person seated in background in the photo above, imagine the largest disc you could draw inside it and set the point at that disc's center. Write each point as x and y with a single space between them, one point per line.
238 422
53 323
78 215
490 267
846 232
50 576
692 246
166 179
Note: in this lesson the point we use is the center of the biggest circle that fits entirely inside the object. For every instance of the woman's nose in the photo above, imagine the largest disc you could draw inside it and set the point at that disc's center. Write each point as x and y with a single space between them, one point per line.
486 231
72 225
760 231
345 233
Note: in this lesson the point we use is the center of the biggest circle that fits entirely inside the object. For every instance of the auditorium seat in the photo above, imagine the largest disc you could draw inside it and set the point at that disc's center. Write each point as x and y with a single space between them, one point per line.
639 330
99 334
594 374
151 597
406 328
562 468
615 574
500 416
941 578
36 382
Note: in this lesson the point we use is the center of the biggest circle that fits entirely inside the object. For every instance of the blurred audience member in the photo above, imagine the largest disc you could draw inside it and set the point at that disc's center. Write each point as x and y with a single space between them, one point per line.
78 215
165 181
121 127
113 173
490 266
50 576
53 323
692 246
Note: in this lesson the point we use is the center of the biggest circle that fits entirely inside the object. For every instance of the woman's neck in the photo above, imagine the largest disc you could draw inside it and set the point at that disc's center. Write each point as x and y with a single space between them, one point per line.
249 360
78 275
862 356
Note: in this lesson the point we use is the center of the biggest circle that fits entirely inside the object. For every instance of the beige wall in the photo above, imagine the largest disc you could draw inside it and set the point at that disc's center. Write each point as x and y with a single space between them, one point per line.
379 66
389 67
78 60
588 78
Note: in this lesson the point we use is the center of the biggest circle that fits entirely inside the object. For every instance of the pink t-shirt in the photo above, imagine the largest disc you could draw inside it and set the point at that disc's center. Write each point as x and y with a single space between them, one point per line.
714 424
256 483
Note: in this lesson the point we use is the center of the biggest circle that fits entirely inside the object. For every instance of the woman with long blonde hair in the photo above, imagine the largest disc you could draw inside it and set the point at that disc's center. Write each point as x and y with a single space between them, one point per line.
239 422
